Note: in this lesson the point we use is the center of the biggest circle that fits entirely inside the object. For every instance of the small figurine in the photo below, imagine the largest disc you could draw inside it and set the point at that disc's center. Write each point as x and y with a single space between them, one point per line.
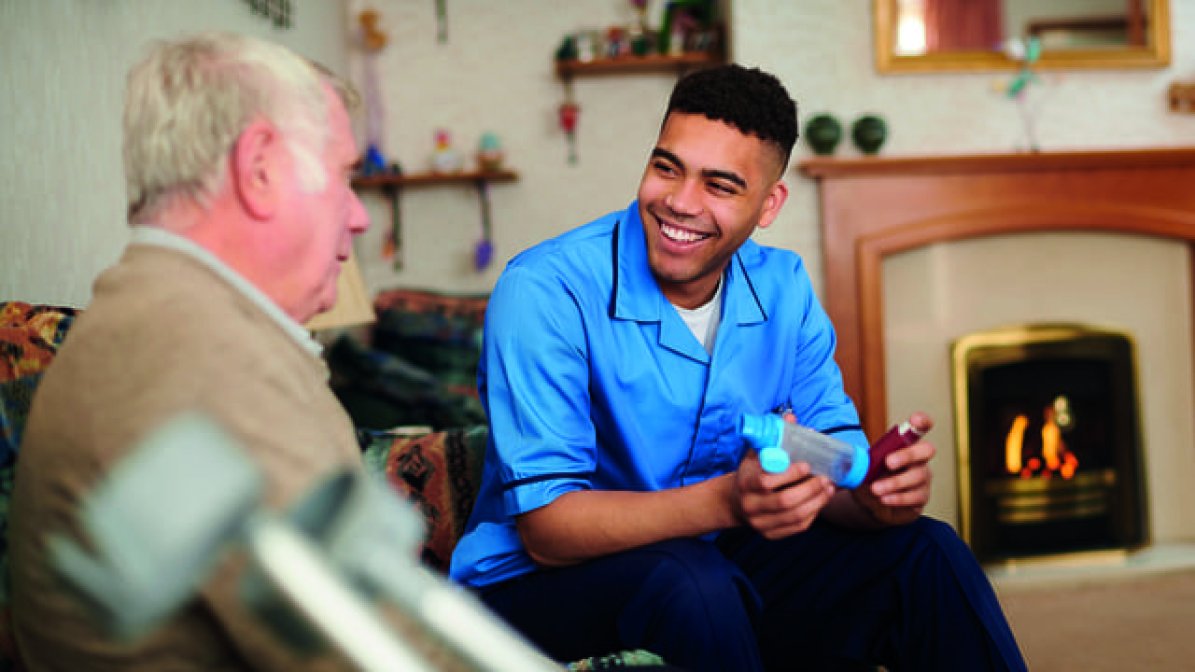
445 159
489 153
567 51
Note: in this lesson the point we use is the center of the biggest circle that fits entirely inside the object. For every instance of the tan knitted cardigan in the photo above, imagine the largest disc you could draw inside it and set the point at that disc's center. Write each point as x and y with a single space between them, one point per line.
164 334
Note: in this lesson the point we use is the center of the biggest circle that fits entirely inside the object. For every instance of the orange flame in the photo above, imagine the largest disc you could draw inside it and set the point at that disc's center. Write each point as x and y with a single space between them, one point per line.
1014 444
1056 458
1051 442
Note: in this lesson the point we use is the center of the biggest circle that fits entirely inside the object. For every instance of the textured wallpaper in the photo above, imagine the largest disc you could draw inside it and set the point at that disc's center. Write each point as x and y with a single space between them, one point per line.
63 65
61 210
501 81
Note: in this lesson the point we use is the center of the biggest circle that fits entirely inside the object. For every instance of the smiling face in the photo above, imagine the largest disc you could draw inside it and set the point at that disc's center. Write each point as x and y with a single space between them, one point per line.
705 190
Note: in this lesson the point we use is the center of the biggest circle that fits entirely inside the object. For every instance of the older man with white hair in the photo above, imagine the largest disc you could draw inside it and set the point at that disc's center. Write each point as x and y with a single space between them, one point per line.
238 155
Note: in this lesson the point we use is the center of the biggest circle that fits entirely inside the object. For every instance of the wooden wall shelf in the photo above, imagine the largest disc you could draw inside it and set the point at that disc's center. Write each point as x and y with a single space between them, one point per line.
423 179
634 64
391 185
875 207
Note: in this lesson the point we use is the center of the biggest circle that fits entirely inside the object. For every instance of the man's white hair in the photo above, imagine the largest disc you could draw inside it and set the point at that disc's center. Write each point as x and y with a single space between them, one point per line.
189 100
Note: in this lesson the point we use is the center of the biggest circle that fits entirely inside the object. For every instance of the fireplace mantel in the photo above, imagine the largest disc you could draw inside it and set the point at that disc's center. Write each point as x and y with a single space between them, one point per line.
875 207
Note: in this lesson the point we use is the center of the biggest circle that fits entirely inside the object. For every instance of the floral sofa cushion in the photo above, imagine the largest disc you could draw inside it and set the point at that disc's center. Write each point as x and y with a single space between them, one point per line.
440 473
29 338
440 333
418 364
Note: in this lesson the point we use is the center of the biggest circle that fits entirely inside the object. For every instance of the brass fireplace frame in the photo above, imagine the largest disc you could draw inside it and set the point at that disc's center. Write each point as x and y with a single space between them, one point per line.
1026 336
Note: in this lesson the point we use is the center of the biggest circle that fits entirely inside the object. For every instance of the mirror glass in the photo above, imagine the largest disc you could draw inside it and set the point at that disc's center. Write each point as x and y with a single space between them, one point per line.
913 35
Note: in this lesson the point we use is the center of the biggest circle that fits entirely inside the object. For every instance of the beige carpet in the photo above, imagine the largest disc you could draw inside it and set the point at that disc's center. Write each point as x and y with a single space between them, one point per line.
1121 623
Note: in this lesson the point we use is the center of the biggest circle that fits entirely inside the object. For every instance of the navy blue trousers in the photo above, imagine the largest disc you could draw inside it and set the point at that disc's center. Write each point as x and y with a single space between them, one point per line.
909 598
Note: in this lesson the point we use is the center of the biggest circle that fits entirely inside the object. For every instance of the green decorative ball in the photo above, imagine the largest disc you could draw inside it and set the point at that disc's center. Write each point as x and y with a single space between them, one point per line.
869 133
823 132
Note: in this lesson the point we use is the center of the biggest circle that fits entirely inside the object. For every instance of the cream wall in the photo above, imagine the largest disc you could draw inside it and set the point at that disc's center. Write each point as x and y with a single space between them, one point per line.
63 63
501 80
62 70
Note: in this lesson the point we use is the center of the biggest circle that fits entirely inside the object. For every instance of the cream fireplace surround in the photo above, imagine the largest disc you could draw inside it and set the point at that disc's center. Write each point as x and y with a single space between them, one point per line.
1086 228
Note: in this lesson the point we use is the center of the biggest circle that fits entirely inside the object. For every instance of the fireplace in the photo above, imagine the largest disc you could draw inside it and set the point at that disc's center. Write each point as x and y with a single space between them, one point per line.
875 207
1048 438
895 230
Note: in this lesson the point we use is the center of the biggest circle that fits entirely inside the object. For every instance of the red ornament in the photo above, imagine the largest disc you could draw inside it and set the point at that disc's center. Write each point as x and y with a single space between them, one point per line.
569 112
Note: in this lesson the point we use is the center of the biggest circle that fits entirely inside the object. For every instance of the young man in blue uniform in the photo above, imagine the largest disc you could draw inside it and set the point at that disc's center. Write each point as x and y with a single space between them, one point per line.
620 509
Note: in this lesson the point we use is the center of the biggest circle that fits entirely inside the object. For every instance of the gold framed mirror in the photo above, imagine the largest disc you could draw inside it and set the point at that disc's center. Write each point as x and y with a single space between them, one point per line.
952 35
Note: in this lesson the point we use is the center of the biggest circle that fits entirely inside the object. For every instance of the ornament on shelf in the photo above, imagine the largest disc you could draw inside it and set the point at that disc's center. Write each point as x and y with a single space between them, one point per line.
823 133
617 42
639 35
489 153
569 112
687 26
445 159
869 132
567 51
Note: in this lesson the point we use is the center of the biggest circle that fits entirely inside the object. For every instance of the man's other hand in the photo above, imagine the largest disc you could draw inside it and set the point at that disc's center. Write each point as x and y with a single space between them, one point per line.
779 505
901 497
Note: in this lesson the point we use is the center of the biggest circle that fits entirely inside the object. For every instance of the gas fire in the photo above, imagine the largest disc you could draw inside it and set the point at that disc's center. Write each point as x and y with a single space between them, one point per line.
1055 458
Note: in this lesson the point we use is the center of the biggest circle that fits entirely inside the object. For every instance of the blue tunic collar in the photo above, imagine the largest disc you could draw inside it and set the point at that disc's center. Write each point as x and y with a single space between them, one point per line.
638 297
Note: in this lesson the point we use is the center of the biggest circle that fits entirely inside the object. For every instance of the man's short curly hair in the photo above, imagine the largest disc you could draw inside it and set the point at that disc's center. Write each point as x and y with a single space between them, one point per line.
748 99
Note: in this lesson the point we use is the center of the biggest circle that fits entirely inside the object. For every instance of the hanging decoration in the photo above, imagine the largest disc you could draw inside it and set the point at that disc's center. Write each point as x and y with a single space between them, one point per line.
442 21
277 11
483 251
490 156
373 40
1026 53
392 244
569 112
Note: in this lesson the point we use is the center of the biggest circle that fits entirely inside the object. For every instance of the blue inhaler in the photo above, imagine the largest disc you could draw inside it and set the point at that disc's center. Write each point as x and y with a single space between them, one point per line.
779 444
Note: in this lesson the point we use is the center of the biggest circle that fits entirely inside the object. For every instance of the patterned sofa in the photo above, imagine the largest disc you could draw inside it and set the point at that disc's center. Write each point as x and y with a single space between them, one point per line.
29 339
409 389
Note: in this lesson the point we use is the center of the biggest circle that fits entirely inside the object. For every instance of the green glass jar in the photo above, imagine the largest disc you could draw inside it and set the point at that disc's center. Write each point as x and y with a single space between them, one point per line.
823 133
869 133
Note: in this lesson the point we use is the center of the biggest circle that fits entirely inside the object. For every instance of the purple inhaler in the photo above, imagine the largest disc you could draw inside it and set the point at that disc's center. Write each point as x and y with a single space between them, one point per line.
899 436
